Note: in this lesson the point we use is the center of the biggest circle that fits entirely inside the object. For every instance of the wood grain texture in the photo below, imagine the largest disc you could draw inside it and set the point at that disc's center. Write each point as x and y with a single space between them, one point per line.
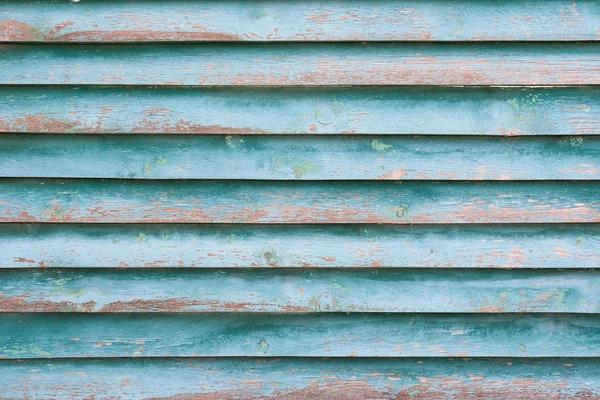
72 335
303 378
300 158
315 291
302 64
105 201
298 246
266 20
382 111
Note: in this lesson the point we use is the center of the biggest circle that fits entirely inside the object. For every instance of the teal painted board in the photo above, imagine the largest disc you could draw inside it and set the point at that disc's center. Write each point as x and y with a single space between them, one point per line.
304 64
410 188
114 201
72 335
297 291
300 158
234 20
304 378
298 246
226 110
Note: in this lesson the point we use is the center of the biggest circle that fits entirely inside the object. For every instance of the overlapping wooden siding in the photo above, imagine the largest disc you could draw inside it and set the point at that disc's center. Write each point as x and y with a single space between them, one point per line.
300 157
544 246
312 20
327 110
303 64
184 217
299 378
288 202
75 335
297 291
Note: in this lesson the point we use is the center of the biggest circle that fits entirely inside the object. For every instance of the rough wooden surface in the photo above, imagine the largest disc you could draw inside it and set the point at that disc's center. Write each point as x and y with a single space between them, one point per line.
267 20
314 291
106 201
73 335
301 246
303 378
382 111
165 201
303 64
303 158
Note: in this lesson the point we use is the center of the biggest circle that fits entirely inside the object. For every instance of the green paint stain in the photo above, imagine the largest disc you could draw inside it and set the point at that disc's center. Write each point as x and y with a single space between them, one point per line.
525 113
142 238
53 213
158 162
324 302
399 212
304 168
262 346
231 239
514 103
579 241
59 287
379 146
576 141
20 351
233 141
272 257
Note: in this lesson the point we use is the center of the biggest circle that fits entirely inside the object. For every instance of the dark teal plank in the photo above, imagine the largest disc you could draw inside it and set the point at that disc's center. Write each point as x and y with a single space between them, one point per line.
304 158
303 64
234 20
99 201
304 378
286 291
318 335
302 246
423 111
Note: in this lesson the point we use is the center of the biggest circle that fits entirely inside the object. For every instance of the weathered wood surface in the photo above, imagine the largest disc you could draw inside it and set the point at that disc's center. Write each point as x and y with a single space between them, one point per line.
383 111
303 378
73 335
105 201
314 291
303 64
303 158
298 246
121 165
265 20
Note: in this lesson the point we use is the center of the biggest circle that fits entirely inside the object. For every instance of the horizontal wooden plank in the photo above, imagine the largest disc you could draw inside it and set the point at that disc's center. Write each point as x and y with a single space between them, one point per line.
422 111
300 158
303 378
298 246
302 64
268 20
297 291
73 335
105 201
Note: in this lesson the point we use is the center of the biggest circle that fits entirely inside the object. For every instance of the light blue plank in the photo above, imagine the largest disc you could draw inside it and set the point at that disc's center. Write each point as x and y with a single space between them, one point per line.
305 64
302 246
294 20
302 378
423 111
303 158
408 202
284 291
69 335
